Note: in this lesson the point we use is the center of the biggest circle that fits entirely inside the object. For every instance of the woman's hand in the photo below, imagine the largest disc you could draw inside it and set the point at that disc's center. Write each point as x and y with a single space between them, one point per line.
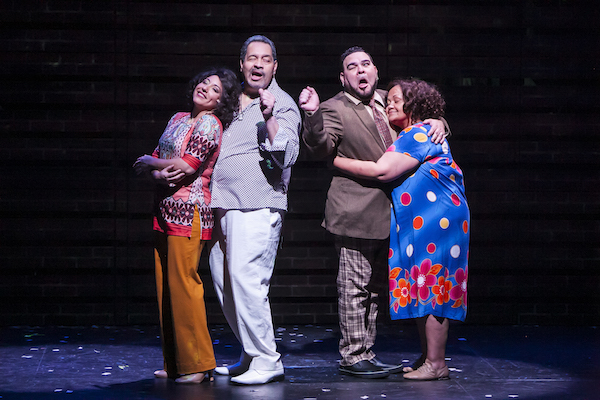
142 164
168 175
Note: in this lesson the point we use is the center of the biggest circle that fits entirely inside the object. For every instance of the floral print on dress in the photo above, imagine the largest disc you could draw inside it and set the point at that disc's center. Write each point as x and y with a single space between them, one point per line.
429 233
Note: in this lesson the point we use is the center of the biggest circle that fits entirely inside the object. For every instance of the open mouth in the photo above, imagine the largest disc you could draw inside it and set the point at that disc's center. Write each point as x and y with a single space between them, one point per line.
363 83
256 75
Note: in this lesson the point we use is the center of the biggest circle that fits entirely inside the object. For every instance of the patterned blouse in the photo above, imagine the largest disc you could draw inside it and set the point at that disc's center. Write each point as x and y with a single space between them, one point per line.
198 145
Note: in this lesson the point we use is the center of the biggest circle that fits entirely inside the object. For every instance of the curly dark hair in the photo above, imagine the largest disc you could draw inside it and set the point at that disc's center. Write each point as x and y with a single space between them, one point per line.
230 97
422 100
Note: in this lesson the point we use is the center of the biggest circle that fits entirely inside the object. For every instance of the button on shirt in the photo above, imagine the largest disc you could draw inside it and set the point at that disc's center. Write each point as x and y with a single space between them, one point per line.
251 172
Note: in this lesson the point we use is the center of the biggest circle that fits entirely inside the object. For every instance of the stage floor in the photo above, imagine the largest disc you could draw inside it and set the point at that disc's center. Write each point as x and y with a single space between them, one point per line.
486 362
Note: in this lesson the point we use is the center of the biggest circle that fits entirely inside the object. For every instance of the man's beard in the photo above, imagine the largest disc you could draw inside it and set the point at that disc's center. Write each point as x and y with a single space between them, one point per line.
363 97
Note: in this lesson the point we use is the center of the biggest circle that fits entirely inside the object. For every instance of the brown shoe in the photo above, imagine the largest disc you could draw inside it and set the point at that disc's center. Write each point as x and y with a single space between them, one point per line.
416 365
427 373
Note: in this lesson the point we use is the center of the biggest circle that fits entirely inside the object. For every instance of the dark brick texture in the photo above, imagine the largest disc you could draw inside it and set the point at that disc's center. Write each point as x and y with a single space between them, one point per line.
87 86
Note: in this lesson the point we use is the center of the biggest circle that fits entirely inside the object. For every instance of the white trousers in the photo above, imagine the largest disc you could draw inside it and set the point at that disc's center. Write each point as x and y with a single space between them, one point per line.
242 257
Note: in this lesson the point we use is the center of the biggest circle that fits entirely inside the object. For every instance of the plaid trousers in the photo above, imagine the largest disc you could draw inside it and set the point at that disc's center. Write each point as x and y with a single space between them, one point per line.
362 278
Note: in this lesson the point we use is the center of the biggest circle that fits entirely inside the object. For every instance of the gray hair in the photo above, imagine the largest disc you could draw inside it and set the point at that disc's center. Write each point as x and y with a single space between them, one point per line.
257 38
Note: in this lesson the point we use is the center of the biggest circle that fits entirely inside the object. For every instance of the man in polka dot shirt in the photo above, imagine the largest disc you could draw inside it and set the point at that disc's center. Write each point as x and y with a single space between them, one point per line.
357 211
249 198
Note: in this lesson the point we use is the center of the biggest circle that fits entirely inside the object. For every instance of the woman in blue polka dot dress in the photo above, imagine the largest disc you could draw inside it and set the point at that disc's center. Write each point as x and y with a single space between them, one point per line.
429 235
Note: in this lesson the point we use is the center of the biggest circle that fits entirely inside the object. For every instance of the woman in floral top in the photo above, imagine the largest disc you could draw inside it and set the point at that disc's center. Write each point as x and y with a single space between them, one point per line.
429 235
182 165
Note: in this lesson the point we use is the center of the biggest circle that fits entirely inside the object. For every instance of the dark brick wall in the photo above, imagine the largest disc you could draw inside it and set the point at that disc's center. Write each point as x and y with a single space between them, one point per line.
87 86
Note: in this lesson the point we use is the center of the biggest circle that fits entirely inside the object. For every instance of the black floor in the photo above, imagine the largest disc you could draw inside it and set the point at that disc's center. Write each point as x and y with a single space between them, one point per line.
485 363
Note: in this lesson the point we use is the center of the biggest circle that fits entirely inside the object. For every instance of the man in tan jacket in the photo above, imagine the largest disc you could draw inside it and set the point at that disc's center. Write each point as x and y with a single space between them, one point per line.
353 124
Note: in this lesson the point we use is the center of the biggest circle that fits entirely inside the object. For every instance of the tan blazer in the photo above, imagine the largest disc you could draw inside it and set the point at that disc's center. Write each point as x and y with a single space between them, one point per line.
355 207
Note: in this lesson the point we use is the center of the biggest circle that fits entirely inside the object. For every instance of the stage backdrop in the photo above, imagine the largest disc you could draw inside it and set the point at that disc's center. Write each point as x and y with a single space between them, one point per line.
88 86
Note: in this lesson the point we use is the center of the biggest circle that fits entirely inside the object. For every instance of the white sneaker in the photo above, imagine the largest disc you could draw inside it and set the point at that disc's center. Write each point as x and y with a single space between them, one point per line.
259 377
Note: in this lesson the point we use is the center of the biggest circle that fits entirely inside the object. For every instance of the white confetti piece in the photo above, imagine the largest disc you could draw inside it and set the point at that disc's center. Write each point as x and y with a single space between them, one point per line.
50 370
383 395
24 356
80 348
317 341
448 358
56 350
454 369
57 390
326 390
105 373
364 397
33 349
277 339
292 341
96 351
405 361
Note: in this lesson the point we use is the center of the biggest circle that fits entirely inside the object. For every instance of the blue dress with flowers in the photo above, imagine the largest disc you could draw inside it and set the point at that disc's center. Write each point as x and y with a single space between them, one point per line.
429 235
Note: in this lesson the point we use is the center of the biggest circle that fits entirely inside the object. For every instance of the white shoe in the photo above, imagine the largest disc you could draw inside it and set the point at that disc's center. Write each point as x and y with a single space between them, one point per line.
233 370
259 377
236 369
222 371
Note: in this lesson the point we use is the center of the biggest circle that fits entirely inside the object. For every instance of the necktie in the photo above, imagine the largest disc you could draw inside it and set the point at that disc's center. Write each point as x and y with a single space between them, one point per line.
382 126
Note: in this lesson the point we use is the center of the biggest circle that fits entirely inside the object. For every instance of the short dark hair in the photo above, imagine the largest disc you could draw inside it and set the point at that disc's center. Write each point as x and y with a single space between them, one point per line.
228 105
257 38
353 49
421 99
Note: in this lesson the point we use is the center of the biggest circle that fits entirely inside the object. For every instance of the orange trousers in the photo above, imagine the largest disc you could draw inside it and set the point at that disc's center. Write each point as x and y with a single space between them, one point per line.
186 342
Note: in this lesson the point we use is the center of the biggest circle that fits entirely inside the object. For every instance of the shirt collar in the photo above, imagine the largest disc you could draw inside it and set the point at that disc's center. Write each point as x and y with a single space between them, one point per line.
376 96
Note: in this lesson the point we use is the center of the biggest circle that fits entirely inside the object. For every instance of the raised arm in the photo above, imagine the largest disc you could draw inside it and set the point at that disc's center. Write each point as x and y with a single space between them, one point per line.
282 122
389 167
323 128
